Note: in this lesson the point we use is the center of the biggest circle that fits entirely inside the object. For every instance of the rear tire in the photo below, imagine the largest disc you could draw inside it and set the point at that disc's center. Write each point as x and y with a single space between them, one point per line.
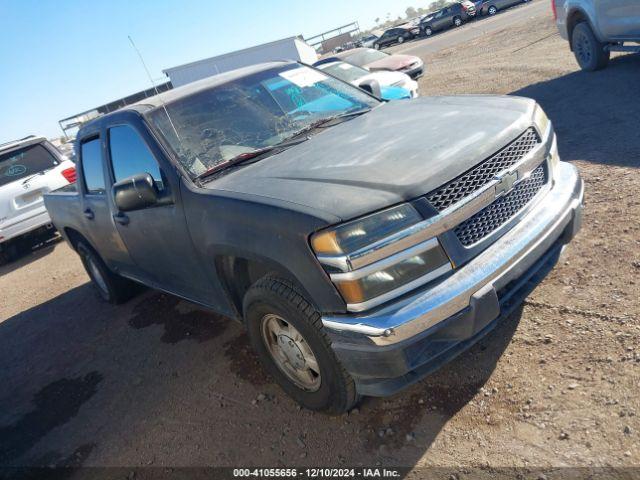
400 39
589 52
306 369
12 250
111 287
457 21
376 46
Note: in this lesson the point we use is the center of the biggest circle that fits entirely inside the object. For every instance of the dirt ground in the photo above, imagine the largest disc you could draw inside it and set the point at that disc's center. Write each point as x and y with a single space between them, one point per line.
160 382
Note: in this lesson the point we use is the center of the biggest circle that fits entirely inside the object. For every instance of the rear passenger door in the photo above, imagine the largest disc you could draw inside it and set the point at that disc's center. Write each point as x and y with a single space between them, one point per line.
386 38
441 19
156 237
98 224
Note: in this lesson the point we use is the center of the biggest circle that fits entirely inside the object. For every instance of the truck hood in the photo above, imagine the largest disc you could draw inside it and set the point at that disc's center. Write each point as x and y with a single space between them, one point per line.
397 152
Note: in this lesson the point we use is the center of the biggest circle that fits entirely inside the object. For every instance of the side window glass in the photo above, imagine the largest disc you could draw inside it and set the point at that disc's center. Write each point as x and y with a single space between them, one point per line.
92 172
130 155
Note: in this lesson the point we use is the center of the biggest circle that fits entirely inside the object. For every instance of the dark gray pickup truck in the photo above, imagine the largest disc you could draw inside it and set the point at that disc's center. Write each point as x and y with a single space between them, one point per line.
362 243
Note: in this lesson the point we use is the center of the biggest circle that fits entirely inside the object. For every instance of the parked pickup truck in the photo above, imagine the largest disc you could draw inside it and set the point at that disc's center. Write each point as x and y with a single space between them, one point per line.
595 28
29 168
362 243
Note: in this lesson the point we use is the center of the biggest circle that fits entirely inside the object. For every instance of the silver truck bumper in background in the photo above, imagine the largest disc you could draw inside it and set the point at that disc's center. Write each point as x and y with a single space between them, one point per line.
507 259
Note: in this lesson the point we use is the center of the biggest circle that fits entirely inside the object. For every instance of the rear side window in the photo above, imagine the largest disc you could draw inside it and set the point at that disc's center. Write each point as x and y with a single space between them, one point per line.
92 172
130 155
25 162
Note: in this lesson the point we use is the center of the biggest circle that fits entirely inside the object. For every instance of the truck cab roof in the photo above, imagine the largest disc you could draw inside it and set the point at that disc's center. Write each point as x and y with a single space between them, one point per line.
156 101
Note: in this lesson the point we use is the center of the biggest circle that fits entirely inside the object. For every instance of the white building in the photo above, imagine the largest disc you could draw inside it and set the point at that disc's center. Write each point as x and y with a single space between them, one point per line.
292 48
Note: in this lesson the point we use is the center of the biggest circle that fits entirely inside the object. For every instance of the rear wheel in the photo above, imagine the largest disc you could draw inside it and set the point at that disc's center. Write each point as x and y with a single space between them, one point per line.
376 46
400 39
287 334
589 52
111 287
457 21
11 251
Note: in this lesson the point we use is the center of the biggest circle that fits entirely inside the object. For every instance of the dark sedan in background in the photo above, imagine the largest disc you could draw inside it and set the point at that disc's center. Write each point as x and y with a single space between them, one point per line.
453 15
396 35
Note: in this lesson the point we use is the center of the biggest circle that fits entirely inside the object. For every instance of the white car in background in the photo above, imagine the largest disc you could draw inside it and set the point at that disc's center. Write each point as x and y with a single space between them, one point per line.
357 76
368 41
29 168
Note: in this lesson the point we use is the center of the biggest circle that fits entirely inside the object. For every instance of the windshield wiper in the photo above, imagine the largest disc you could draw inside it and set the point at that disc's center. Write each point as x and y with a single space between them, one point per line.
33 176
245 156
287 142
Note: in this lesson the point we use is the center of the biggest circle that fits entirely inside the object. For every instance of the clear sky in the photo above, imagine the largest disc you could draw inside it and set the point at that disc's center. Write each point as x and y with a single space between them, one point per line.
58 58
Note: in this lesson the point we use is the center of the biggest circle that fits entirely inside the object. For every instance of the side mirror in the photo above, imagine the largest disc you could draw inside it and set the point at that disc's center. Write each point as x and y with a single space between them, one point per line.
372 86
135 192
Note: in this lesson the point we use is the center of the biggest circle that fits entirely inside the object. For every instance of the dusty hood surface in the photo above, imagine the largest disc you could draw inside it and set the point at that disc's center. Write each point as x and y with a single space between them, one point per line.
399 151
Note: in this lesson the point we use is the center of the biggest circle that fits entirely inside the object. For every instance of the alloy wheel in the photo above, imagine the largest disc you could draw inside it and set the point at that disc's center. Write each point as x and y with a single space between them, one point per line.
583 49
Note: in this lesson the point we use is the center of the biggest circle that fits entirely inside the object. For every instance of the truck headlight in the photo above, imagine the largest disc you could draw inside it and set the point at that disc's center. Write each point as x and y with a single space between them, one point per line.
352 236
541 120
370 260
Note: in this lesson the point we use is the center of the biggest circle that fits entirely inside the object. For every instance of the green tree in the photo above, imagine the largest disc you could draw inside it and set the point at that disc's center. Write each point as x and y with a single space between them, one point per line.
411 12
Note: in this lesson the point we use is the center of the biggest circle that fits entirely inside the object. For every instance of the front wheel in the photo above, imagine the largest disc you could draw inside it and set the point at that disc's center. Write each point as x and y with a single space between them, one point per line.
589 52
376 46
492 10
287 334
428 31
400 39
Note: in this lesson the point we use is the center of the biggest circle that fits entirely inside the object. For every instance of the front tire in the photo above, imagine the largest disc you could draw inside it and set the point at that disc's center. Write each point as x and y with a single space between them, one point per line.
589 52
428 31
112 288
492 10
287 334
376 46
400 39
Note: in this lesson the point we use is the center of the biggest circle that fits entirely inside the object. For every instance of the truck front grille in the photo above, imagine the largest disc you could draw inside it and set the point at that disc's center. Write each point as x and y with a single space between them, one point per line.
493 216
477 177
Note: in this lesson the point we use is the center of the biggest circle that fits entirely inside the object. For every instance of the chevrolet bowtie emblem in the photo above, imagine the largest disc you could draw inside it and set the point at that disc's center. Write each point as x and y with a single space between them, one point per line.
506 183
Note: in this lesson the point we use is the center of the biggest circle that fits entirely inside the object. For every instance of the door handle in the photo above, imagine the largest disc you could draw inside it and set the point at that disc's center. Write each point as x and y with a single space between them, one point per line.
89 213
121 218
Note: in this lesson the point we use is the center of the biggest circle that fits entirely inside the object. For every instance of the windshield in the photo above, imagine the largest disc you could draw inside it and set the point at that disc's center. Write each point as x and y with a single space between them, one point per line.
260 110
344 71
24 162
363 57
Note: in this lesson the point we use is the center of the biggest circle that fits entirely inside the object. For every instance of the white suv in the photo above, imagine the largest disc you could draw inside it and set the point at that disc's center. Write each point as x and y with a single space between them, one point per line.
29 168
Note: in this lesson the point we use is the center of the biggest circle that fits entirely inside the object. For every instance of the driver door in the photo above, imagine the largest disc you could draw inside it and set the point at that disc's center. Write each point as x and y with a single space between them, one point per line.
156 237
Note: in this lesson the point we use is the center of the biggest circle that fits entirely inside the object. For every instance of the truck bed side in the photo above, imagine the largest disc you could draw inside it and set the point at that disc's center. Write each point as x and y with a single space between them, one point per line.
64 209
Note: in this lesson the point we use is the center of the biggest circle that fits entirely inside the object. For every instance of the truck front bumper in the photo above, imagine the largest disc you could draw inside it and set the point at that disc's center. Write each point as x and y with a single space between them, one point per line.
400 343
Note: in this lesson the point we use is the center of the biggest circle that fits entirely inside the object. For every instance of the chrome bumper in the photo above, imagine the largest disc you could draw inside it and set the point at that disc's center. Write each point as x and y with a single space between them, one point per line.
505 260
